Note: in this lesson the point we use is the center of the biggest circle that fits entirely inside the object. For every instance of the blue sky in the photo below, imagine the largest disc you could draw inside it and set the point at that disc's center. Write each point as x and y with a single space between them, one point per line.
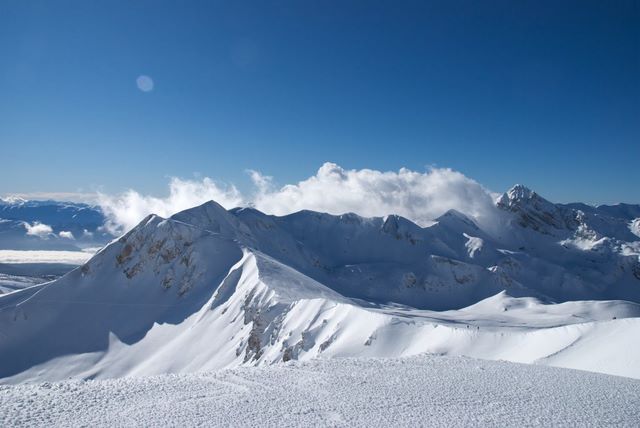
545 93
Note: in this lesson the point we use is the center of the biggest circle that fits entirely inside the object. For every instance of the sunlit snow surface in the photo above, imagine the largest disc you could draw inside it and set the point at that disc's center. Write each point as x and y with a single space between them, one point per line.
418 391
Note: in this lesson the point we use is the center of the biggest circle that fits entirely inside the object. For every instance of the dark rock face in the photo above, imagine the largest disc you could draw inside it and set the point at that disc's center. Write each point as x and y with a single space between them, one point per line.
535 212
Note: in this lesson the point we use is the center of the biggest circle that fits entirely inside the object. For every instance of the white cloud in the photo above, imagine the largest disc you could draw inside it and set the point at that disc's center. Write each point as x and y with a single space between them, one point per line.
419 196
40 256
66 234
38 229
125 210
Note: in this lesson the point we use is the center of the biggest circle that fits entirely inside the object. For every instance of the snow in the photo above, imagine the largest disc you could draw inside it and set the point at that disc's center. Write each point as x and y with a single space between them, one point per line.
211 289
474 244
9 283
425 390
266 313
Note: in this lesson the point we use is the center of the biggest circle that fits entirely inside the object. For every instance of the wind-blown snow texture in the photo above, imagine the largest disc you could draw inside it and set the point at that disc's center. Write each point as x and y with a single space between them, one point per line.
418 391
210 288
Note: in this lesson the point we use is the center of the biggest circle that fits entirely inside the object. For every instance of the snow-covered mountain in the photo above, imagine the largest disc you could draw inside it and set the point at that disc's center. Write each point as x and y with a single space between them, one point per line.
211 288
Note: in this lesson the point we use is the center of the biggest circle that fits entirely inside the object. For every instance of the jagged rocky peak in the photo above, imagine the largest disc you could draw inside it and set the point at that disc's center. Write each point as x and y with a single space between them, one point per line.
520 191
533 211
518 195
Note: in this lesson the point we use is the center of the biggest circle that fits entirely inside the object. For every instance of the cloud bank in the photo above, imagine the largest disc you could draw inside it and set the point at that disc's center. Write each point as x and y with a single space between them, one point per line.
419 196
125 210
43 256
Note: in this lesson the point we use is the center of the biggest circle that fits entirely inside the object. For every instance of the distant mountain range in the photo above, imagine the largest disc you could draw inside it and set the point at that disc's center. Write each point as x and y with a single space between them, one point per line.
210 288
50 225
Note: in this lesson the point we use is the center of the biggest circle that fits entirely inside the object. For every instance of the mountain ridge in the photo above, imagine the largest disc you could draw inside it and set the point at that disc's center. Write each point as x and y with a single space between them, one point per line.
209 288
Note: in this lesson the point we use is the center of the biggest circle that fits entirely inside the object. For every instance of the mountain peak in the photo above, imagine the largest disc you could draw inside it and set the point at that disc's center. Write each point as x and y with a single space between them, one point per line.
454 217
532 210
452 213
520 192
209 216
520 195
13 200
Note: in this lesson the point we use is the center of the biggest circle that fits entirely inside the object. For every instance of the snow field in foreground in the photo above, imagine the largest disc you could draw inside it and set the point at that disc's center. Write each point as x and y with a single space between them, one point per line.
416 391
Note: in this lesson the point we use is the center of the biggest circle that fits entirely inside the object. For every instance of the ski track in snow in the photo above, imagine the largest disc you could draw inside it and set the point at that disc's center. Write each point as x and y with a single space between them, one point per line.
417 391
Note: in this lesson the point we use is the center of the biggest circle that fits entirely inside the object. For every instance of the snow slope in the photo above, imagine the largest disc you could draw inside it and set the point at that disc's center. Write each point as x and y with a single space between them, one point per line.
426 390
210 288
10 283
